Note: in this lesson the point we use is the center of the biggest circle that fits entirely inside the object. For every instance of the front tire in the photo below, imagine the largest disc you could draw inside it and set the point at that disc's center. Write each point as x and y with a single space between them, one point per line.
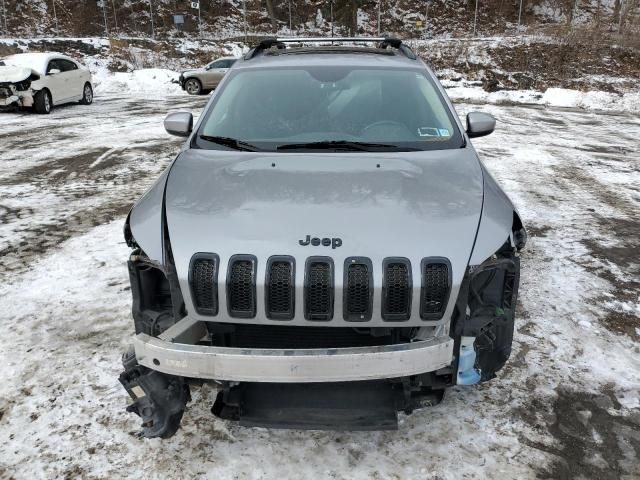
193 86
42 102
87 94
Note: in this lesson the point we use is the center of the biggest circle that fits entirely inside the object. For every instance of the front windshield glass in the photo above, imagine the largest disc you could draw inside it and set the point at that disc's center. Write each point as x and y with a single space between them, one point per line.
329 108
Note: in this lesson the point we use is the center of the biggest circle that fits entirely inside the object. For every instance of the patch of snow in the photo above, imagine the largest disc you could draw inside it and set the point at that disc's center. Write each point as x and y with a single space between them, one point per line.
552 97
147 81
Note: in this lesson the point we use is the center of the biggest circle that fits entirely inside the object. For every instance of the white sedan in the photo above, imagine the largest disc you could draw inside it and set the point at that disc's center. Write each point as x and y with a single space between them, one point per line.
42 80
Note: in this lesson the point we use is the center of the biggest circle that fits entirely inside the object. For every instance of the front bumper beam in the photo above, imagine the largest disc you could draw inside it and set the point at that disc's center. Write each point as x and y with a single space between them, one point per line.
177 352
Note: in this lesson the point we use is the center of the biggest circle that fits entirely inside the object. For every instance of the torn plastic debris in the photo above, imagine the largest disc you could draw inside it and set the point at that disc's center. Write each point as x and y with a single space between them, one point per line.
467 373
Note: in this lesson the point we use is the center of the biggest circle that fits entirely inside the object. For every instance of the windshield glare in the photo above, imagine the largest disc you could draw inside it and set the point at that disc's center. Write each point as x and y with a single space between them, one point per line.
273 108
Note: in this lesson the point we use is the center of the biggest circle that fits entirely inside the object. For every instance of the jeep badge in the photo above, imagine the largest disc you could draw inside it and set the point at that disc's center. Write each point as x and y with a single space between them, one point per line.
315 241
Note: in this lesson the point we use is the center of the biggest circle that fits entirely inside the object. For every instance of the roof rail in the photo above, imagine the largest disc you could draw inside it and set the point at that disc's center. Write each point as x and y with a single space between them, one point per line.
281 44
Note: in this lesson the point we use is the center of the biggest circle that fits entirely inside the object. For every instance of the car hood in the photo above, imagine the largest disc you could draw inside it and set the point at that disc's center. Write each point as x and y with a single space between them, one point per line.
412 205
194 71
13 74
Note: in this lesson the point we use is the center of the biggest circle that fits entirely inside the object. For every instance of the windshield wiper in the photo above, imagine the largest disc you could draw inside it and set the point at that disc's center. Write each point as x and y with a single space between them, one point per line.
231 143
341 145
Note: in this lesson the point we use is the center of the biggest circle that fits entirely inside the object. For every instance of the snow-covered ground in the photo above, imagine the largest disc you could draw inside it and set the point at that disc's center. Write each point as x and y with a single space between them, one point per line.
566 406
552 97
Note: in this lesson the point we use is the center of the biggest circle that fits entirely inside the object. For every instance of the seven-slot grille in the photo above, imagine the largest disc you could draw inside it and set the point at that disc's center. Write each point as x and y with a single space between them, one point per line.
357 292
203 280
280 288
436 285
241 286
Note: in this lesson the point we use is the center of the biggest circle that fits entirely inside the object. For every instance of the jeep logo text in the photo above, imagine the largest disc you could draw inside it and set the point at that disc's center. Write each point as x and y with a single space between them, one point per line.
315 241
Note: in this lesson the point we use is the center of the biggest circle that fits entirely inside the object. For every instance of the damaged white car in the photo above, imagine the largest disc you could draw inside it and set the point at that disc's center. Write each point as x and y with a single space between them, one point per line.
42 80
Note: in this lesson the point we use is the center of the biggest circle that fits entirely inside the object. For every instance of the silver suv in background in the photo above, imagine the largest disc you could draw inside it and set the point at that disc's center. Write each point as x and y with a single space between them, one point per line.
205 79
327 249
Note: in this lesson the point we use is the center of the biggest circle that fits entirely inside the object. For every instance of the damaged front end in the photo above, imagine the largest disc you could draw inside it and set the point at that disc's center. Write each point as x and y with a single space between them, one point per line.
483 323
158 399
15 87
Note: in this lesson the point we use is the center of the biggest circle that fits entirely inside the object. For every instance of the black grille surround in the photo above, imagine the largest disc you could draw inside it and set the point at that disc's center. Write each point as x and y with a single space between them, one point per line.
241 286
203 282
397 286
318 288
357 297
436 287
359 289
279 286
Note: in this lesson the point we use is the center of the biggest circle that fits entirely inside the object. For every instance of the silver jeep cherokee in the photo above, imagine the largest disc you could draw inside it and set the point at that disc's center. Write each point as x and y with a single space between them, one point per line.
327 248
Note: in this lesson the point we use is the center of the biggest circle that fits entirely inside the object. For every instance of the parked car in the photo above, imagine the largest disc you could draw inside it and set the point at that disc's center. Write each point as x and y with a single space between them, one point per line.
205 79
327 249
42 81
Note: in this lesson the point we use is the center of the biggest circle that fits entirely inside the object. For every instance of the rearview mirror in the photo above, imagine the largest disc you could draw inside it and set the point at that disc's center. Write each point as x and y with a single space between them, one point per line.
179 124
480 124
53 71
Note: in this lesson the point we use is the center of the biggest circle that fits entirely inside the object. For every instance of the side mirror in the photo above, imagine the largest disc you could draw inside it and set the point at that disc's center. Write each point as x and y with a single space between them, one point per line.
179 124
53 71
480 124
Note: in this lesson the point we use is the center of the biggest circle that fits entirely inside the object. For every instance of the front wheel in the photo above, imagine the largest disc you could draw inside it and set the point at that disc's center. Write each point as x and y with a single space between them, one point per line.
193 86
42 102
87 94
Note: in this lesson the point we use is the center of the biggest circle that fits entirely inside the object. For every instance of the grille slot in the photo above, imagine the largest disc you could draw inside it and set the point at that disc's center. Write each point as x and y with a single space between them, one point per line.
203 281
318 290
279 288
396 289
241 286
357 289
436 285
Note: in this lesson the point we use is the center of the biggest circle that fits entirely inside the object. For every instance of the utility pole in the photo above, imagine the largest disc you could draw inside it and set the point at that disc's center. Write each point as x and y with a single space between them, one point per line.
331 2
115 15
475 19
153 30
290 27
199 21
55 15
244 19
104 14
520 13
379 1
4 18
426 19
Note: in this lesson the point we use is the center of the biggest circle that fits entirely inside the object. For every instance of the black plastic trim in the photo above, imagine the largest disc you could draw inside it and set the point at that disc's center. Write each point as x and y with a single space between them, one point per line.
357 317
243 313
292 288
423 291
216 261
396 317
319 317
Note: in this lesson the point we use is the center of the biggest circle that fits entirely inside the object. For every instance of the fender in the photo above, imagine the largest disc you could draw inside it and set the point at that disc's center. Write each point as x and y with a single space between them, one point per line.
499 222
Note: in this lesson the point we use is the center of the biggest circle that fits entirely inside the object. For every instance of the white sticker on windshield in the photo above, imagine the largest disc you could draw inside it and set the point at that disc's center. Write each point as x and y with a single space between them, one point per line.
444 132
428 132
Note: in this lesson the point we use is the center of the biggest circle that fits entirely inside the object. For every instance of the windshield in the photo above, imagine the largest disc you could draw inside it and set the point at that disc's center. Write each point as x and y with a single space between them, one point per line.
335 108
